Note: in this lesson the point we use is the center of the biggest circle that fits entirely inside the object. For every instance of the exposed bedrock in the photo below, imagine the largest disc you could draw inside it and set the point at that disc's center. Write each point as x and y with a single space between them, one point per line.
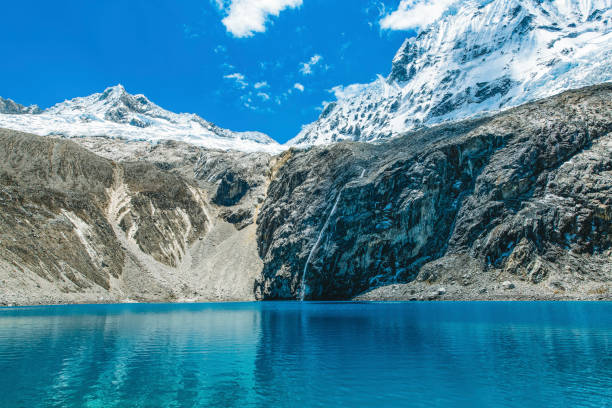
524 195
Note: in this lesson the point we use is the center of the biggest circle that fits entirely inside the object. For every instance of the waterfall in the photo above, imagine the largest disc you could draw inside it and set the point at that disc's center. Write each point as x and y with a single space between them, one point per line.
314 248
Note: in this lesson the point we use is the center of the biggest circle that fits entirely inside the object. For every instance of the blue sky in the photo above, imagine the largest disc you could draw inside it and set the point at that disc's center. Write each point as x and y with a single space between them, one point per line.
233 62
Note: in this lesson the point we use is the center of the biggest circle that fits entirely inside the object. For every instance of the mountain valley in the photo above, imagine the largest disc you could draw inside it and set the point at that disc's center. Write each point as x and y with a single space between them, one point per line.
479 168
512 206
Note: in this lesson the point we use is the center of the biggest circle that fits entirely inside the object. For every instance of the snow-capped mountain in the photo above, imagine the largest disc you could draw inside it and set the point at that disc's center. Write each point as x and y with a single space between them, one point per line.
116 113
480 56
12 107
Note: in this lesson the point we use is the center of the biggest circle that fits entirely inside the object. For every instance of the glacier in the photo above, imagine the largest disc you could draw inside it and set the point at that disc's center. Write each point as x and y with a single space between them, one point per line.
478 57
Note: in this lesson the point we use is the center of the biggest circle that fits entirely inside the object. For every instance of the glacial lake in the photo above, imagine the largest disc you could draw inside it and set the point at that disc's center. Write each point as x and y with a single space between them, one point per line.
312 354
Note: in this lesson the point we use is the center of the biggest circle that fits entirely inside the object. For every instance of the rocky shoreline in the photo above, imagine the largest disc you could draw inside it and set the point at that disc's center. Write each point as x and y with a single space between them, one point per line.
392 293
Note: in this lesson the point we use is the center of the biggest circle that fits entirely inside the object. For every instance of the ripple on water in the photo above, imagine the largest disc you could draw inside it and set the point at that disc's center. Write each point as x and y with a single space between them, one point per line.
311 354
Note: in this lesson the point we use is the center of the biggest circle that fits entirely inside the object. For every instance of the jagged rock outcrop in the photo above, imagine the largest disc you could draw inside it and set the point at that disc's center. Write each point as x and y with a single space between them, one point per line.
524 196
237 182
8 106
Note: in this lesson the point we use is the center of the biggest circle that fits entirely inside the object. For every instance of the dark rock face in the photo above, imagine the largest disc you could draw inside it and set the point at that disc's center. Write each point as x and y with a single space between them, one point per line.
526 193
231 190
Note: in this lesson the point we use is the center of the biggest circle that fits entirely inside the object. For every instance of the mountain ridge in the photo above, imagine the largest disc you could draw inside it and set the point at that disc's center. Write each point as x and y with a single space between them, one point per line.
515 205
116 113
479 58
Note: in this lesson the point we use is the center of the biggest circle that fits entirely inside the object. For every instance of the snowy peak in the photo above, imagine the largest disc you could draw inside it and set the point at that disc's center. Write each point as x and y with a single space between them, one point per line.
116 93
123 107
115 105
9 106
483 28
116 113
480 56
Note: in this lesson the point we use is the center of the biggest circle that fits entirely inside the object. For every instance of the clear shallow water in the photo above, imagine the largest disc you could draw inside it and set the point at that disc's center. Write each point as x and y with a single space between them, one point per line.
311 354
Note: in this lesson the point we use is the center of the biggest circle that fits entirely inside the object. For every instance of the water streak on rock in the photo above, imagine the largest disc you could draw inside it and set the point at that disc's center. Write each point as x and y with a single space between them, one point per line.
314 248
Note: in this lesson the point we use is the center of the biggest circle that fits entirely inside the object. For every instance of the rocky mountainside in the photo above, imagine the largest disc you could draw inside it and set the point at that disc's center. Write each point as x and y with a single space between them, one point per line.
116 113
513 206
480 56
523 197
79 227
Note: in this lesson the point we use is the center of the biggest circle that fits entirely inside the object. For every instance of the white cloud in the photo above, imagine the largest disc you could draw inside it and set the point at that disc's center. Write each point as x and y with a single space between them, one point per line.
306 67
299 87
220 49
238 78
264 96
349 91
262 84
244 18
247 101
414 14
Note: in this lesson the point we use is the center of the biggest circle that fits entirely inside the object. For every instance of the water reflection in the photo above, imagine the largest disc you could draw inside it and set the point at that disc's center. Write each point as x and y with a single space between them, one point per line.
311 354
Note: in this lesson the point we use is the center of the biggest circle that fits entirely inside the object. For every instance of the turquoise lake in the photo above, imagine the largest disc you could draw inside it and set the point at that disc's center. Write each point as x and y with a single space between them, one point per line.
311 354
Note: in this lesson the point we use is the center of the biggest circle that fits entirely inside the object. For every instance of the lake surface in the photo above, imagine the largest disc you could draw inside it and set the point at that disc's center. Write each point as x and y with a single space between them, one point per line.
291 354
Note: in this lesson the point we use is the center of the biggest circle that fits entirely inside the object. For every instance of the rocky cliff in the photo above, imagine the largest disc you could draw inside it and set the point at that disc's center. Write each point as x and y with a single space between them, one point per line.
513 206
523 197
8 106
